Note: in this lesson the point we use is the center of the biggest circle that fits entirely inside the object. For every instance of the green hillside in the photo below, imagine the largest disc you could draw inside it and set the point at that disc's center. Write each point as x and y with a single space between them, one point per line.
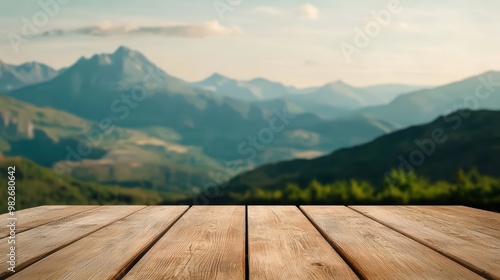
471 141
36 185
149 158
467 188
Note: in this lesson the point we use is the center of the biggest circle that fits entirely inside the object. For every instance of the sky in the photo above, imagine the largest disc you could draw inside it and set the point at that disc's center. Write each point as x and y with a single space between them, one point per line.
299 43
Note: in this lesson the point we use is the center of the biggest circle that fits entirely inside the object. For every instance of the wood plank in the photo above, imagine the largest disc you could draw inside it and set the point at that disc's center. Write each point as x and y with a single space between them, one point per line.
377 252
106 253
4 216
37 216
32 245
481 220
283 244
473 249
208 242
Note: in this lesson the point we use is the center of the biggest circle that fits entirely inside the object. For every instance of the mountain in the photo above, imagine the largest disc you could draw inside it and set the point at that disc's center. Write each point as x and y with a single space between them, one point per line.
122 156
227 87
302 105
331 101
102 88
268 89
130 90
16 76
337 95
479 92
388 92
36 185
154 157
463 140
253 90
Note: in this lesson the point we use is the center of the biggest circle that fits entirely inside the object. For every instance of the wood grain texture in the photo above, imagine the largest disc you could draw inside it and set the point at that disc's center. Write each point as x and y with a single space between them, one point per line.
475 219
283 244
377 252
37 216
107 252
33 245
471 248
208 242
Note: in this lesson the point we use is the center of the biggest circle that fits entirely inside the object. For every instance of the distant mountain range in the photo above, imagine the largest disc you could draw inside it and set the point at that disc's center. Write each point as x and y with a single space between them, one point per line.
479 92
329 101
174 135
338 94
253 90
96 88
463 140
389 92
17 76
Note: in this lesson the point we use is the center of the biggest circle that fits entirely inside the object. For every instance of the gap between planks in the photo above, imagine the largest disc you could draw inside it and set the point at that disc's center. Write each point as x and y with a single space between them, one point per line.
32 218
247 271
333 245
375 249
123 241
389 215
54 238
141 255
208 242
283 244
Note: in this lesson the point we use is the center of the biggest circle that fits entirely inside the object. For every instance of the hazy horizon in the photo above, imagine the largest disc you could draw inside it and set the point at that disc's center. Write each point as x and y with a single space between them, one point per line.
296 43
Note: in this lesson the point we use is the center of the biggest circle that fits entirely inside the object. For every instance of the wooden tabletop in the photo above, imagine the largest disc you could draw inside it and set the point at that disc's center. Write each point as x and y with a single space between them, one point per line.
253 242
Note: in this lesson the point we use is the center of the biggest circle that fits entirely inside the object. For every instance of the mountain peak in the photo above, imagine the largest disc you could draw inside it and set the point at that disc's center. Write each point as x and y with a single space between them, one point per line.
121 58
215 78
119 69
17 76
28 66
340 83
263 81
217 75
337 84
259 79
124 51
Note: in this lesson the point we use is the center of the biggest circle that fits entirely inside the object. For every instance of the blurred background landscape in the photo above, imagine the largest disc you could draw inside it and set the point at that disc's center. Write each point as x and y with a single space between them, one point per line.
252 103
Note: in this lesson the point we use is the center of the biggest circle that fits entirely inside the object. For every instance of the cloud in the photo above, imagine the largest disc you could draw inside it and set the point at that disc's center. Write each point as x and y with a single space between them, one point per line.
186 30
269 11
308 11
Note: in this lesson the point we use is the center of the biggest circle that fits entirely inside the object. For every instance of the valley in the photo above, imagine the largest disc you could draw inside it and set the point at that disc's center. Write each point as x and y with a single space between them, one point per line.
118 119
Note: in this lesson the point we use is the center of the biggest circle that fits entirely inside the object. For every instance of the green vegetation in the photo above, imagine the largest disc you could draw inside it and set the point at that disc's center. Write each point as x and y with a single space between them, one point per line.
127 157
467 140
36 186
469 188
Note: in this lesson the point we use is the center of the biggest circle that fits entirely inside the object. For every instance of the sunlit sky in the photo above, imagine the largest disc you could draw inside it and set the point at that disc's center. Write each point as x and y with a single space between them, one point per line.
429 42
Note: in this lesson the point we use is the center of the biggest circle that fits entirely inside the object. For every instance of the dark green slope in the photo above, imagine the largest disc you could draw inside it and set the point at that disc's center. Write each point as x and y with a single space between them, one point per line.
36 185
472 140
122 156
